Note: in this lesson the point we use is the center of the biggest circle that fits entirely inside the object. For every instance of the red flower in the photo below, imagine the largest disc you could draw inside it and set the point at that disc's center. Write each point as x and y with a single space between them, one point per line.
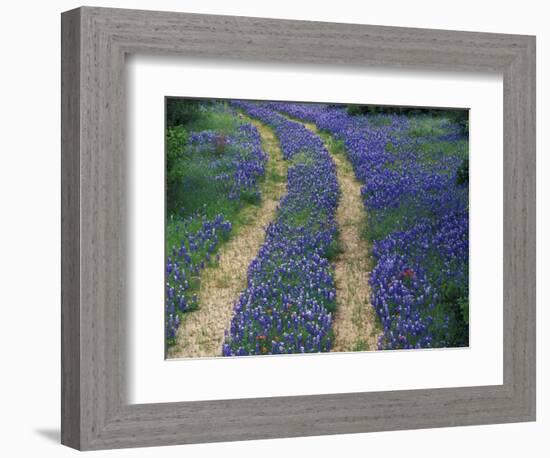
220 142
408 273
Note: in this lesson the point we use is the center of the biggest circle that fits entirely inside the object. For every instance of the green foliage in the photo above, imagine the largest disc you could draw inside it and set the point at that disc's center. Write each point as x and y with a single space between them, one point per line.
379 121
274 176
220 120
434 150
464 309
356 110
460 117
196 188
456 116
335 249
426 126
463 174
176 138
297 217
302 158
335 146
181 111
251 197
360 345
454 303
390 148
383 222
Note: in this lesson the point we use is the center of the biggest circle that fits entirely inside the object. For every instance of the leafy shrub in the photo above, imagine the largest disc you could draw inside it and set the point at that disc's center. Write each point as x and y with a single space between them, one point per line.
462 174
355 110
181 111
460 118
176 138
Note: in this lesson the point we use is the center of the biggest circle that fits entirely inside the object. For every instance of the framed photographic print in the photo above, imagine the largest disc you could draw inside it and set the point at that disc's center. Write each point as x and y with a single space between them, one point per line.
286 228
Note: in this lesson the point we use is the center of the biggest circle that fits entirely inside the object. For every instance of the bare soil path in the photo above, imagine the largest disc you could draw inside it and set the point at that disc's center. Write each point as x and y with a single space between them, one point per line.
201 333
355 324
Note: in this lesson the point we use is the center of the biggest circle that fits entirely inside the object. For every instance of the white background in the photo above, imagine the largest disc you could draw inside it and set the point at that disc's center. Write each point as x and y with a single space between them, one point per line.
153 379
29 238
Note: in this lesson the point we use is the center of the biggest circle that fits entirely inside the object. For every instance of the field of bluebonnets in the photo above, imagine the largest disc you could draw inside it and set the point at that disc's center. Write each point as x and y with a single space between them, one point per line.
411 170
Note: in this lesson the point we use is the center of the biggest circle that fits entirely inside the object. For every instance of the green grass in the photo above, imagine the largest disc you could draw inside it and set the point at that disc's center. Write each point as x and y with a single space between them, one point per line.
302 158
380 120
273 176
333 145
383 222
223 122
434 151
360 345
335 249
426 126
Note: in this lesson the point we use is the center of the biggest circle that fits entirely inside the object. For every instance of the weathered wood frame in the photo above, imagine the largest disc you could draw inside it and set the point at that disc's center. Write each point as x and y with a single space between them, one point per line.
95 413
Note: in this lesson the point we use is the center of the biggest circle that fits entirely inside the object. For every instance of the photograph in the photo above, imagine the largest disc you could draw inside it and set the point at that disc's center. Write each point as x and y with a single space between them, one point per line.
294 227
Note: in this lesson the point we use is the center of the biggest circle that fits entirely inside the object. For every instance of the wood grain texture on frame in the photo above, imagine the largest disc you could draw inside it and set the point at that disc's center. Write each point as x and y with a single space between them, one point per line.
95 411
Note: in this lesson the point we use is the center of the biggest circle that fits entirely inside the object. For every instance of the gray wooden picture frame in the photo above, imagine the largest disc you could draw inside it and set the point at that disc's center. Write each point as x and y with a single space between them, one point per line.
95 412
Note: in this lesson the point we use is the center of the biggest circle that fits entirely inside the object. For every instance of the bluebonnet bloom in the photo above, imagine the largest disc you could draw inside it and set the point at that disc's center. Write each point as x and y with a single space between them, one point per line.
185 261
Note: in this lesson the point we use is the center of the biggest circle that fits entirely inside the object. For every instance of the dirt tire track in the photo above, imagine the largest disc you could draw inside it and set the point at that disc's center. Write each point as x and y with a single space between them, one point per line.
355 324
